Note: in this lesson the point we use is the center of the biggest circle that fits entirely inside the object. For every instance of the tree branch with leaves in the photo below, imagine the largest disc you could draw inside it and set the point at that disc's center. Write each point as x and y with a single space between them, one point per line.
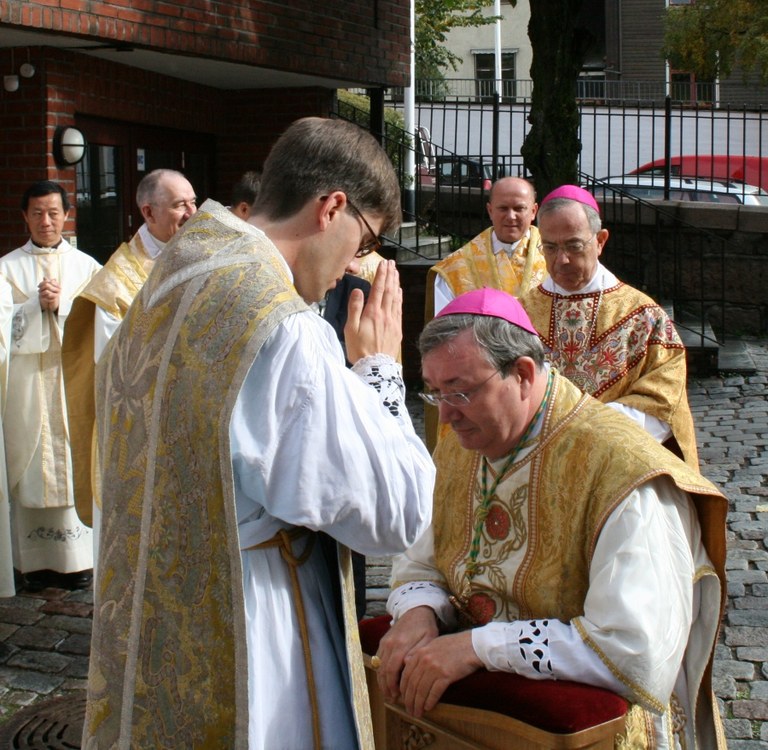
434 19
711 38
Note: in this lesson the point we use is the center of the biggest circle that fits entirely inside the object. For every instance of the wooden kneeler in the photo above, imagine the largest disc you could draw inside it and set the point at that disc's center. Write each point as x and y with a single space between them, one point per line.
496 711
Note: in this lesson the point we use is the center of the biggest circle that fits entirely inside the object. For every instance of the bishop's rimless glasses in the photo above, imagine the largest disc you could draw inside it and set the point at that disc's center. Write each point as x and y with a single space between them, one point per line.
455 399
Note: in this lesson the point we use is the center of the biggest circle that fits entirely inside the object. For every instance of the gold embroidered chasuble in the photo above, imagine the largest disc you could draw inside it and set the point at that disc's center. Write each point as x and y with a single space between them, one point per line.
168 666
619 345
113 289
543 521
475 266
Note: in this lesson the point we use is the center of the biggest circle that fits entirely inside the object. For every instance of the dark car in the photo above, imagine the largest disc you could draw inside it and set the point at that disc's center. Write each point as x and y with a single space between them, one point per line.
463 171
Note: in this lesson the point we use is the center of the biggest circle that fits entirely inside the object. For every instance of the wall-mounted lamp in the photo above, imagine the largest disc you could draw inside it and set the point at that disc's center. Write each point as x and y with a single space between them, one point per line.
69 146
11 83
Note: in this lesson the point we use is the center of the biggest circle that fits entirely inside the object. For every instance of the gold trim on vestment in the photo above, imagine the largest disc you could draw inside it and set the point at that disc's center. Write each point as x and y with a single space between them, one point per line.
284 540
639 733
646 700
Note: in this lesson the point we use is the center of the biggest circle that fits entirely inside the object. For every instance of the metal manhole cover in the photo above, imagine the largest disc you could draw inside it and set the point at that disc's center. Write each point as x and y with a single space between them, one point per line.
56 724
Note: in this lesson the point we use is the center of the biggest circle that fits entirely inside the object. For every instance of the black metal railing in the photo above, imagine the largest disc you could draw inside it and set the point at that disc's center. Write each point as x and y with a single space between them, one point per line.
615 138
673 261
650 247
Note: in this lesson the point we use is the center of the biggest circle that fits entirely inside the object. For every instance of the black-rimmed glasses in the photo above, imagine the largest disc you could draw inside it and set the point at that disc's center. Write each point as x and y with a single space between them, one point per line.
374 244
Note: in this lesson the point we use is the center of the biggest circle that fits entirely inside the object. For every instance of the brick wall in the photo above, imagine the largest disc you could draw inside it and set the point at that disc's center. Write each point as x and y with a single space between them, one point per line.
242 124
365 41
22 159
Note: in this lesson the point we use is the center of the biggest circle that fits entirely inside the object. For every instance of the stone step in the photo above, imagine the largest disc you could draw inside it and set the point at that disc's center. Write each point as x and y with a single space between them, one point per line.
734 356
700 342
706 355
407 230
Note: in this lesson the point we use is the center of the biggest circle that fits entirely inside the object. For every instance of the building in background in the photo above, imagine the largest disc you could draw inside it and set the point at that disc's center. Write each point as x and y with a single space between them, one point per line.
624 60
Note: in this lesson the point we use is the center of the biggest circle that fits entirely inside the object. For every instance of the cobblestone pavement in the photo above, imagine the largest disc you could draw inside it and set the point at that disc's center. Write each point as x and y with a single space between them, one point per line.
44 637
731 417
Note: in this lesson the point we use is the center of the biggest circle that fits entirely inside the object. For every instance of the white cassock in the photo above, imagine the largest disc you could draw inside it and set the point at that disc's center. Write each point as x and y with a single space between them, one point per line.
47 532
315 445
7 587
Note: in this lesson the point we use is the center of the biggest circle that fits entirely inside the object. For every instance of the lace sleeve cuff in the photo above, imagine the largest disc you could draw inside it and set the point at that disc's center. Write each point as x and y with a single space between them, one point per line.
521 647
384 374
420 594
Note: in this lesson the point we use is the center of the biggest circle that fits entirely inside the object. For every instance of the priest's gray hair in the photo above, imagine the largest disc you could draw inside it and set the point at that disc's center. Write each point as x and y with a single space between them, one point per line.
500 341
593 218
151 187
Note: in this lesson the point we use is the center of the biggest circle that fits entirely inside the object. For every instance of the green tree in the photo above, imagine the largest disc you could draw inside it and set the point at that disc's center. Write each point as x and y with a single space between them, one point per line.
559 43
434 19
559 40
357 108
712 37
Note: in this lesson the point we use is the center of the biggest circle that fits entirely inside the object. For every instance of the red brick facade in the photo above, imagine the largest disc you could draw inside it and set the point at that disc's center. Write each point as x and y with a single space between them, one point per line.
364 43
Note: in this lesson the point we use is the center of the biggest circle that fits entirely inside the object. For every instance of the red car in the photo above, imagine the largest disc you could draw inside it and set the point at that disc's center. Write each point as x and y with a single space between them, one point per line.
752 170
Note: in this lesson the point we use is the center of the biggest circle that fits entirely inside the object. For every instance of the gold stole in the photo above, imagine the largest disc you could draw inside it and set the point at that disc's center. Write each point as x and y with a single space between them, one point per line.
475 266
168 665
616 346
113 289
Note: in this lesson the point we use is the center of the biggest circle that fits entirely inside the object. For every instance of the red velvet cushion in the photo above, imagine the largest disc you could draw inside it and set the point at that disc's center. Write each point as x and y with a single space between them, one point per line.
553 705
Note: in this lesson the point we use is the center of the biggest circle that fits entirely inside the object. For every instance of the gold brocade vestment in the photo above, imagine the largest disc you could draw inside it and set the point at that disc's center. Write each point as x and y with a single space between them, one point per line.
543 522
168 664
475 266
619 345
113 289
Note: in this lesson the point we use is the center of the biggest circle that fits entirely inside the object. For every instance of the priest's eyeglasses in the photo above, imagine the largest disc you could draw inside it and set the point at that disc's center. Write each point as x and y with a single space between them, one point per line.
454 399
571 248
374 244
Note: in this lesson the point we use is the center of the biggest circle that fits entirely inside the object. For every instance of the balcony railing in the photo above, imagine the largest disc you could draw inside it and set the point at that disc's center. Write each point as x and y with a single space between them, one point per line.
588 89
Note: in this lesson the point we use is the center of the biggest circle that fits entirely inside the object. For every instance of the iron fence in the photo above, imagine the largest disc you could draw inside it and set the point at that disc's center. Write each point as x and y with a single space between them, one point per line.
615 138
651 248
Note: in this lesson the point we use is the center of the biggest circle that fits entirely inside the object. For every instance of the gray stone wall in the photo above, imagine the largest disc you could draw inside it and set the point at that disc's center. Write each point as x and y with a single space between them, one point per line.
698 255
